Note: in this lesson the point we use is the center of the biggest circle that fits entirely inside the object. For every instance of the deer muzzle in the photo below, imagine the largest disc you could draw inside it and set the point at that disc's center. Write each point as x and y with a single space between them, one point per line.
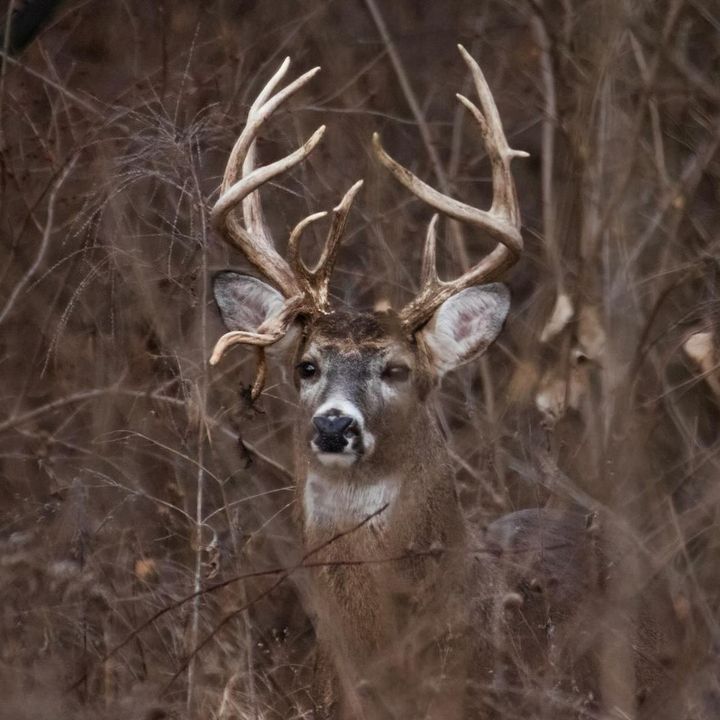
339 434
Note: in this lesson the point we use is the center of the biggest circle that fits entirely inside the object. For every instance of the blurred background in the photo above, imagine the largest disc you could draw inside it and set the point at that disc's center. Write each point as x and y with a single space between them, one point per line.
138 486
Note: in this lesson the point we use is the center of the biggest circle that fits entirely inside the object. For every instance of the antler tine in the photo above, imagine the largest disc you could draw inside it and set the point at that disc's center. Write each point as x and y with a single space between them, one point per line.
264 104
268 333
253 239
316 282
293 251
322 271
504 195
262 108
428 275
272 330
501 221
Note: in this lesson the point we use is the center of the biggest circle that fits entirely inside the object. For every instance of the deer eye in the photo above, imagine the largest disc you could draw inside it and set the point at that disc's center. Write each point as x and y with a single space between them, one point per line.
396 373
306 370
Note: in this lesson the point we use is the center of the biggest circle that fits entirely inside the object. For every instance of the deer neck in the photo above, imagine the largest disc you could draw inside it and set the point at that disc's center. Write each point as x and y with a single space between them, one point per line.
377 532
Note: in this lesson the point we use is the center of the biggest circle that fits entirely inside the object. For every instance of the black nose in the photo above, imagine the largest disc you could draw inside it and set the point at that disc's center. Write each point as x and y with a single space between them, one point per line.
331 431
332 424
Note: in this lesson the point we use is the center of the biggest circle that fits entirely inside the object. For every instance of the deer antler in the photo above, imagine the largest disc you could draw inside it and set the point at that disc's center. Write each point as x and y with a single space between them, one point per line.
315 282
501 221
305 291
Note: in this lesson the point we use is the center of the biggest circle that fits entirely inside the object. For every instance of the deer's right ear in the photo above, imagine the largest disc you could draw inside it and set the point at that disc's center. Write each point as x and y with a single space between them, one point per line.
244 301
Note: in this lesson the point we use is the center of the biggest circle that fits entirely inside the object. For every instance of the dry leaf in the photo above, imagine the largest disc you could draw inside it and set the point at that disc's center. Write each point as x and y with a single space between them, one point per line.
562 314
557 394
523 381
679 202
700 348
146 569
591 334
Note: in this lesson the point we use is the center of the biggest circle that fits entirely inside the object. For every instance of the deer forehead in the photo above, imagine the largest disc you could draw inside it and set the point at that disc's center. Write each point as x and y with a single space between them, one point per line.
355 354
349 332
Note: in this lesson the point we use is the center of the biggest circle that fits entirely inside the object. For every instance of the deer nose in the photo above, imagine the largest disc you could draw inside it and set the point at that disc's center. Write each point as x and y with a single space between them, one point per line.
331 430
332 424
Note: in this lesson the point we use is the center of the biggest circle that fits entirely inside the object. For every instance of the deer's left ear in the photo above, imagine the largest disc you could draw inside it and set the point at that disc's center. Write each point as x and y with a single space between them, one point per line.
465 325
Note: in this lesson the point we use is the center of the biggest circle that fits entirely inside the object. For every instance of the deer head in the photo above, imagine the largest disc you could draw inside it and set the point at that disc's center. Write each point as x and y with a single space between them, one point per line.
360 376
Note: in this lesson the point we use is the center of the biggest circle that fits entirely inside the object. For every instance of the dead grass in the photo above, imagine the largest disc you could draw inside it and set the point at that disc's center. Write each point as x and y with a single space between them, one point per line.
125 493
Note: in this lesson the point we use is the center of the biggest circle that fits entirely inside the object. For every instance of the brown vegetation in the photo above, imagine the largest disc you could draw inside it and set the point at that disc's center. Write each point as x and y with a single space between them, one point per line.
129 509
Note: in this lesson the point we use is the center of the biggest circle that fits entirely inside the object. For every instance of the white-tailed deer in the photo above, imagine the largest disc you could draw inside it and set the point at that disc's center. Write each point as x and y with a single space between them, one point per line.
416 613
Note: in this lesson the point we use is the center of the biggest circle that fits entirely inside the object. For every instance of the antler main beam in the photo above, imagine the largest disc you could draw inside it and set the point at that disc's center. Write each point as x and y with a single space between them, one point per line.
501 221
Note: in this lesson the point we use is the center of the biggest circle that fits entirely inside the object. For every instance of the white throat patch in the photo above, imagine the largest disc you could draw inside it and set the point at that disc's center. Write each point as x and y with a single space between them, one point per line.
339 503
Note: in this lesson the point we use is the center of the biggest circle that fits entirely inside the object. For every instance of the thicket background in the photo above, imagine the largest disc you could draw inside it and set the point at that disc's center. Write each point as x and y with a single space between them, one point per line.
132 475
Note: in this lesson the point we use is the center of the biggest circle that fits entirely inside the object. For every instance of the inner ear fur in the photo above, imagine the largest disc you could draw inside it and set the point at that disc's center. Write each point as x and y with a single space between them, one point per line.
465 325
